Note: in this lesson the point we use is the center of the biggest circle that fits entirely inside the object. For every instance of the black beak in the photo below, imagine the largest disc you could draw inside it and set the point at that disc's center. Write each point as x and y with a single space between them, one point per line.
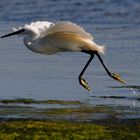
13 33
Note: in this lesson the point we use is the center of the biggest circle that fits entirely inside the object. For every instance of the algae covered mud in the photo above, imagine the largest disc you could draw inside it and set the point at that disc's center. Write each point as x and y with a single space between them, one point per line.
57 119
59 130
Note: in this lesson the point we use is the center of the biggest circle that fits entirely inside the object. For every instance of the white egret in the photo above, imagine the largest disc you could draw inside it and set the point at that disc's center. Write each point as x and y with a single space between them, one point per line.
50 38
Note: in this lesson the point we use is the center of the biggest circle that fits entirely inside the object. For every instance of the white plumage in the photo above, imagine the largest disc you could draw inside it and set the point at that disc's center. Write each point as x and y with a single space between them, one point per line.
39 26
50 38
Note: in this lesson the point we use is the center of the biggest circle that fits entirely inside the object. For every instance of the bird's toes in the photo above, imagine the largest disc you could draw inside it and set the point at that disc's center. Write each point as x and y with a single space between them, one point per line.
84 83
117 77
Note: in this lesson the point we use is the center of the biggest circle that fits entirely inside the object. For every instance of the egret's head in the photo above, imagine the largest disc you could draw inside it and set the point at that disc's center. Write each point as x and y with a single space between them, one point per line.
26 30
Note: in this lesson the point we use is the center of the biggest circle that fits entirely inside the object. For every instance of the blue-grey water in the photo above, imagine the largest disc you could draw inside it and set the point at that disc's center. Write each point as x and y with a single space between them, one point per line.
113 23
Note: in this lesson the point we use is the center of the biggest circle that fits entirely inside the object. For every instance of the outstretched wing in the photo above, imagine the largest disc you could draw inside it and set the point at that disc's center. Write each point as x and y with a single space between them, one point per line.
66 36
66 41
68 27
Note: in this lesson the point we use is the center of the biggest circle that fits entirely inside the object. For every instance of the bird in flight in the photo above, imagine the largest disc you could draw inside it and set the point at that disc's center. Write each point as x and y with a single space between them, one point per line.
50 38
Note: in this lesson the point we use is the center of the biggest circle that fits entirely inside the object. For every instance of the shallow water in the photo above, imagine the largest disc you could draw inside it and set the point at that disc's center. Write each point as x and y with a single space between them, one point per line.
114 24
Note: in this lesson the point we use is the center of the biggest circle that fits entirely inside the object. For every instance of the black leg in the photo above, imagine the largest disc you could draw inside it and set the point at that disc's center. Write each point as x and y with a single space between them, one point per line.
101 60
82 81
112 75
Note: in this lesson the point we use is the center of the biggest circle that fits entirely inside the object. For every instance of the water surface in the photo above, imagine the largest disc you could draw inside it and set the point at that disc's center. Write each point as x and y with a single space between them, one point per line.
115 24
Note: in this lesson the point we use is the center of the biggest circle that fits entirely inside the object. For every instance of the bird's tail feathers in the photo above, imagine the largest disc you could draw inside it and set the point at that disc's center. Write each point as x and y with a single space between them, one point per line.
101 49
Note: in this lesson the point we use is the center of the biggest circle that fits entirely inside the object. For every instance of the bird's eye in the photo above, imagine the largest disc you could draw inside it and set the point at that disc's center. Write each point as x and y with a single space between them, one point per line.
29 43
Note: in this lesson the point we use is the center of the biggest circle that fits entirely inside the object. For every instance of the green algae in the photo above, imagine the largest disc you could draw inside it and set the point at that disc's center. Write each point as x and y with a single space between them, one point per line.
66 130
82 110
32 101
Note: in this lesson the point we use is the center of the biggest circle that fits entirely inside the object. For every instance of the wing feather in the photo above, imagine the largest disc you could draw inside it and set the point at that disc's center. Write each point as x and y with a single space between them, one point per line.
67 41
70 28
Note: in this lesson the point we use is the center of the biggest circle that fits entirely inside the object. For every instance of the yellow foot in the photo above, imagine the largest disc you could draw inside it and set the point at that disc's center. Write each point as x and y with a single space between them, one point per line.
117 77
84 83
